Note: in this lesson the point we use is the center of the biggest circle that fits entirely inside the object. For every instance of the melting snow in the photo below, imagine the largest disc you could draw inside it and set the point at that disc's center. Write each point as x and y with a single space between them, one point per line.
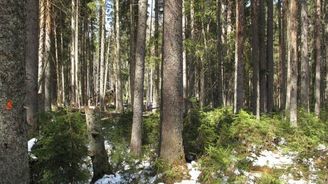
111 179
273 160
194 173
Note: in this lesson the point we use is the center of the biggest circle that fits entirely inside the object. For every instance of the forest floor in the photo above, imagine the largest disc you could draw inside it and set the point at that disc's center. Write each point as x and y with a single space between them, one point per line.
224 148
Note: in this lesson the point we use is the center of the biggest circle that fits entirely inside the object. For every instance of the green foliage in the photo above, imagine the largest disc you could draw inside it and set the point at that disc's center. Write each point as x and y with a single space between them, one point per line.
61 149
151 128
171 172
268 179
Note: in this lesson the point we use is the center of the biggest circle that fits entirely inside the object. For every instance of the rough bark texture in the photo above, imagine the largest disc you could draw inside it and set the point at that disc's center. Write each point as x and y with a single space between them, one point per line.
171 147
239 59
32 46
255 58
270 66
292 72
13 140
317 57
305 72
97 150
139 80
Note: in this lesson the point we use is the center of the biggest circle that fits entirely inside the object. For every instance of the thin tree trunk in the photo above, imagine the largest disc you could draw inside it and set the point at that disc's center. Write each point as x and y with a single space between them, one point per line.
255 59
270 62
136 135
282 54
239 62
119 89
171 145
133 23
218 97
263 59
13 136
47 58
318 58
156 99
102 55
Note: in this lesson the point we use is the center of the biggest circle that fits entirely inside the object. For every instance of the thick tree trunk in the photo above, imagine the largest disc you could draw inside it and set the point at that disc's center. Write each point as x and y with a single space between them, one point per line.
270 66
217 94
255 59
139 79
318 58
292 72
305 71
13 135
171 145
32 46
97 150
239 60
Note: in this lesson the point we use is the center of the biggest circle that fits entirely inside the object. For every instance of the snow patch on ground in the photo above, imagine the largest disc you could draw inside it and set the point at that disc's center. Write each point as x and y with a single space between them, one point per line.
111 179
273 159
194 173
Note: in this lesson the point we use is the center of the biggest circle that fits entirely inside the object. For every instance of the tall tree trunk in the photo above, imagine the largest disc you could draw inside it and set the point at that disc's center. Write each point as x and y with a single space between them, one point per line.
270 66
156 99
171 145
282 54
305 71
102 55
292 72
139 79
32 46
218 97
192 65
255 58
318 58
72 54
239 62
76 55
119 88
133 32
97 150
47 58
13 136
263 59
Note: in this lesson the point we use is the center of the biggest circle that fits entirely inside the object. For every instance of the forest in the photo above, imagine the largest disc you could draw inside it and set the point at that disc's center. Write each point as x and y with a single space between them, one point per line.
164 91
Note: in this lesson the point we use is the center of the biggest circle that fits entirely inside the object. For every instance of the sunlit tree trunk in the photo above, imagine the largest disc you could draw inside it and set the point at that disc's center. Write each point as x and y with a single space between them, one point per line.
119 89
292 70
156 98
102 55
171 145
47 58
255 58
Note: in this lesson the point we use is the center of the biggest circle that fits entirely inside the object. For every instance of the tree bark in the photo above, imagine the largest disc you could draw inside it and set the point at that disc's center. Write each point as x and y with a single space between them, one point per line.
239 62
171 145
263 59
318 58
292 72
133 32
119 92
255 59
305 72
139 79
13 135
282 54
217 94
47 58
270 69
32 46
102 55
97 150
156 99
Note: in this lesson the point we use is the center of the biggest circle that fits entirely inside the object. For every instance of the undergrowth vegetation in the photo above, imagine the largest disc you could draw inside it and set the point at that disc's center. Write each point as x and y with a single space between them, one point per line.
219 140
